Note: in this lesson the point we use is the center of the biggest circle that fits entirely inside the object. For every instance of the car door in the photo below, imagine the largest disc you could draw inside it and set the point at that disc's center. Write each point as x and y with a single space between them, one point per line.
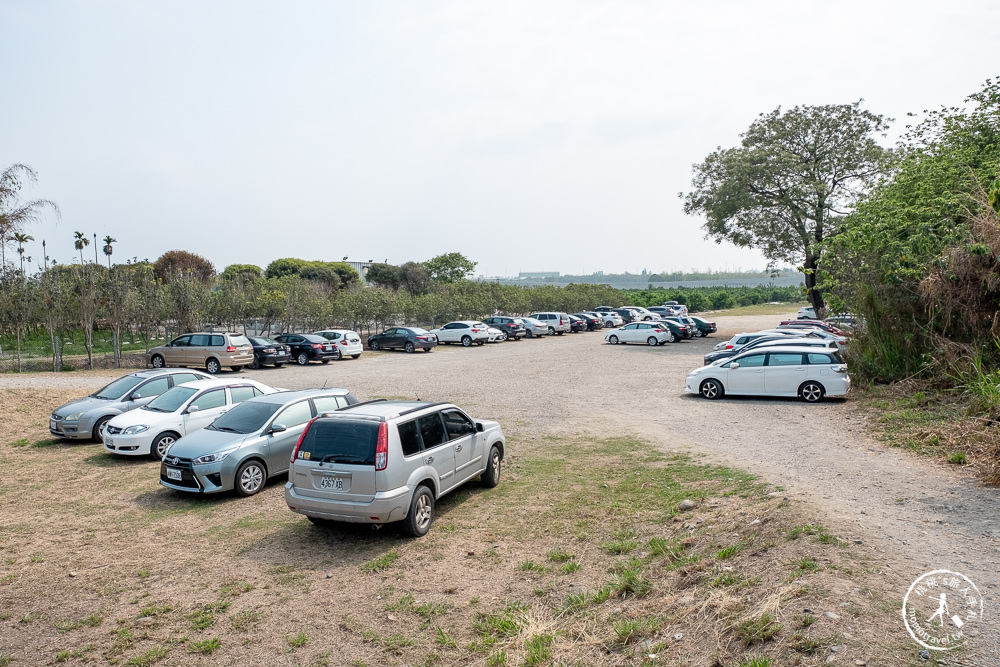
746 375
783 373
438 452
175 354
632 333
391 337
279 444
203 410
462 434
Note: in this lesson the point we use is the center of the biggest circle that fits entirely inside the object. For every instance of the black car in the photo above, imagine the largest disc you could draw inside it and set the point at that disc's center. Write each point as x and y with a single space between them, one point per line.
704 326
687 330
680 331
577 324
512 326
267 351
628 315
593 323
405 338
308 347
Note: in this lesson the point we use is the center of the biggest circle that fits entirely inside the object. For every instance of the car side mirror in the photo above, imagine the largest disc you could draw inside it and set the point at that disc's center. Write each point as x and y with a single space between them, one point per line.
193 409
479 428
735 364
278 428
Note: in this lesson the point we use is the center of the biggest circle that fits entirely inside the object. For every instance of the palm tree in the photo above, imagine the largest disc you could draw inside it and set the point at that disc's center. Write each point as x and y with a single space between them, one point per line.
21 239
80 243
108 249
14 213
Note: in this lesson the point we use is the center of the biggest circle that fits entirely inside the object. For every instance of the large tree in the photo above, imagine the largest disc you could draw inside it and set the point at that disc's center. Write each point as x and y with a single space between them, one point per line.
13 212
175 263
793 176
450 267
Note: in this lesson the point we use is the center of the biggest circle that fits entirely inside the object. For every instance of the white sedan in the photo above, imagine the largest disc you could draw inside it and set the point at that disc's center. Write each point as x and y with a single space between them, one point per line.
151 429
465 332
611 318
807 372
650 333
534 328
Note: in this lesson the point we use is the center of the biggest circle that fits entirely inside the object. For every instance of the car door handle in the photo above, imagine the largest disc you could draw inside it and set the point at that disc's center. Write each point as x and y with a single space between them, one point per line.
430 459
458 448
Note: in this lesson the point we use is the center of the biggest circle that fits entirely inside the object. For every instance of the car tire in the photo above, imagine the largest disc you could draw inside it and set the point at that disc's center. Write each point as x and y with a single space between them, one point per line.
373 345
337 355
355 356
255 364
491 476
428 349
157 361
613 340
671 338
250 478
710 389
811 391
560 333
324 361
278 365
161 444
212 366
421 515
652 342
302 359
552 331
409 347
528 334
480 342
466 341
502 337
98 433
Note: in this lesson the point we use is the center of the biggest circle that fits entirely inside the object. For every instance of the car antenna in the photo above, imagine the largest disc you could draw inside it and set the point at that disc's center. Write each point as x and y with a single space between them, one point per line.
324 383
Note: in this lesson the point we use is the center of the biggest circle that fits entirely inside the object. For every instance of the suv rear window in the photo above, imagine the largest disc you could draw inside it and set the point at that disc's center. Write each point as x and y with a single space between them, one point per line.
238 340
340 441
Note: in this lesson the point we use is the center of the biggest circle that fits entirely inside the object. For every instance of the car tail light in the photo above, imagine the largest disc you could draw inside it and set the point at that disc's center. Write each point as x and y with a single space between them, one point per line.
269 350
729 347
476 330
317 346
382 447
295 452
658 330
343 342
230 348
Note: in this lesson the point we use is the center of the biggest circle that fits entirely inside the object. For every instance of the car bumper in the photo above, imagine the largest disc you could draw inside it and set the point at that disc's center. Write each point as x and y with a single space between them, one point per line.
350 350
384 508
71 430
283 358
128 445
203 479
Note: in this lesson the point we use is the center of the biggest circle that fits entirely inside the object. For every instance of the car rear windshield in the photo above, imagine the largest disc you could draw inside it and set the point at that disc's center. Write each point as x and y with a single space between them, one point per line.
244 418
340 441
119 387
419 331
239 340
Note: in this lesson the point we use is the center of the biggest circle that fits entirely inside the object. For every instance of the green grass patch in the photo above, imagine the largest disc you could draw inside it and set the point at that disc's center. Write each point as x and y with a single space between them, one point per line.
298 640
383 562
150 657
761 628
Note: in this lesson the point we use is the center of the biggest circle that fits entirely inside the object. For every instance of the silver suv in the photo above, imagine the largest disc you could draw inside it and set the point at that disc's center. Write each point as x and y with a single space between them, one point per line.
385 461
558 323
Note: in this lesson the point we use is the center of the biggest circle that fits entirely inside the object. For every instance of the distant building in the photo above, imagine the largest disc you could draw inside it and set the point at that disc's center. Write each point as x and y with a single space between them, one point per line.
361 268
535 275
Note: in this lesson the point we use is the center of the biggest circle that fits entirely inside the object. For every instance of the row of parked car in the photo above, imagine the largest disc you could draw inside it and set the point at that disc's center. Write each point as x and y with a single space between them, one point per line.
374 462
801 357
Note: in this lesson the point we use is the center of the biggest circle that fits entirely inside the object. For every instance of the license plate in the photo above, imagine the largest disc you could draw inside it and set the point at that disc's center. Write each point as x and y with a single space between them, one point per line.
332 483
52 424
329 347
174 473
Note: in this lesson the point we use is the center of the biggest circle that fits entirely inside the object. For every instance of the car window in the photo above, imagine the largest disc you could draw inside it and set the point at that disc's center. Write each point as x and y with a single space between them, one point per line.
218 341
752 360
353 337
409 438
244 418
329 403
181 378
346 442
215 398
238 340
183 341
294 415
152 388
431 430
241 394
200 340
118 388
457 424
785 359
820 359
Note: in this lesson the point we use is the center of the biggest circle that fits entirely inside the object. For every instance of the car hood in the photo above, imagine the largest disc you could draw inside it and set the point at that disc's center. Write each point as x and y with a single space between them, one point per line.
83 405
140 416
204 442
702 369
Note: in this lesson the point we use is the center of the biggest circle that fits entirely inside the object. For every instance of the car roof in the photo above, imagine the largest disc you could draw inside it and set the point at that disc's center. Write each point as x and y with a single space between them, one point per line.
387 409
283 397
340 331
218 382
784 341
153 372
788 348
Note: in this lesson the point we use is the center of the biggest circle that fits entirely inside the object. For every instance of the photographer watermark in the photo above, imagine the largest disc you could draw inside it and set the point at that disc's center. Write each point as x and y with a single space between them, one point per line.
939 609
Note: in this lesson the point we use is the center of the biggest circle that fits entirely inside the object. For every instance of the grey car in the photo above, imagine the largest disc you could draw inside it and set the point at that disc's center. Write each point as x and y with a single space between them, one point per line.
385 461
85 418
252 442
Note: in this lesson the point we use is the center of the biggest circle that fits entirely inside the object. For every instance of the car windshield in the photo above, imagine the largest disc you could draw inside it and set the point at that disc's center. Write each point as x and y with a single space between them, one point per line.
170 400
419 331
119 387
246 417
345 442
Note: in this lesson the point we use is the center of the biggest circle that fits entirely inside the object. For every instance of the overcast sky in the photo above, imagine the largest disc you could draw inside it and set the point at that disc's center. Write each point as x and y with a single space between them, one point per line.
535 135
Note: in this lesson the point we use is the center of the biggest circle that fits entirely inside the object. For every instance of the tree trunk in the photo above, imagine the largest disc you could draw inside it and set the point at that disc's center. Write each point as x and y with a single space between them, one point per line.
116 345
814 295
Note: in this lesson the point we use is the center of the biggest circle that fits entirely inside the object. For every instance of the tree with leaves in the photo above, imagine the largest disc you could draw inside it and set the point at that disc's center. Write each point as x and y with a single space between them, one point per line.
450 267
794 176
108 248
14 214
174 263
80 243
21 238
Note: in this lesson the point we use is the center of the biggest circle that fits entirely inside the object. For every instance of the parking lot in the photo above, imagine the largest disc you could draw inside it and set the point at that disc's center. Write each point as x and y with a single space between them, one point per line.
912 516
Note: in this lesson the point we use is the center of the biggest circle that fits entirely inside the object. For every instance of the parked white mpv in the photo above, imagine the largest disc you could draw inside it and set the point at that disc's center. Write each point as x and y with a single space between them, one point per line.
807 372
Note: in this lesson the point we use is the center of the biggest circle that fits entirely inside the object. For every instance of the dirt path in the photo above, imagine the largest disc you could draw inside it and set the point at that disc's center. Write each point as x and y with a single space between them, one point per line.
920 515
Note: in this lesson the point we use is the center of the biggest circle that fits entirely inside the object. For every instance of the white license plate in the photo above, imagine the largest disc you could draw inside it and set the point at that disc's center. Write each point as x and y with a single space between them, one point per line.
174 473
332 483
52 424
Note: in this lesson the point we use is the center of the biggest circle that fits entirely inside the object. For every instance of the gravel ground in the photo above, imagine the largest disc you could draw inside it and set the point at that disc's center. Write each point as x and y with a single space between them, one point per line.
922 515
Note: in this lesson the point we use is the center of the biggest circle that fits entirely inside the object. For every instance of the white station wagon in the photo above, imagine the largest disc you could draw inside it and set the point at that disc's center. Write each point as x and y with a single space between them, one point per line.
807 372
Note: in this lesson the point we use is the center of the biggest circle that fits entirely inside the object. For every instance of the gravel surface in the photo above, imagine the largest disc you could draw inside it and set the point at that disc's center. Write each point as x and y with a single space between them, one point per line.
921 514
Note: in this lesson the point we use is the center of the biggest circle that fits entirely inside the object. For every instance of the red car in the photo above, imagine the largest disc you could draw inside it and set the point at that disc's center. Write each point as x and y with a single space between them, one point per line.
814 324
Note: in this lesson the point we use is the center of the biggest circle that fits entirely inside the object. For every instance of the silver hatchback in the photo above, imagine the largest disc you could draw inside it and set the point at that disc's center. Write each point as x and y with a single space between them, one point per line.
252 442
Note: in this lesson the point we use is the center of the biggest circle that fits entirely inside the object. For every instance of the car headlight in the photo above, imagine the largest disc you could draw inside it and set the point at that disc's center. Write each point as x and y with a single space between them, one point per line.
73 417
132 430
214 458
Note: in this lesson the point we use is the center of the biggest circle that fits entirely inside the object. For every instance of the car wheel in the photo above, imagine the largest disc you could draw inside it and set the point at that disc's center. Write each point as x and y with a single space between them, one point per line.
702 334
466 341
278 365
255 364
527 334
552 331
613 340
212 366
302 359
98 432
160 446
652 342
428 349
324 361
409 347
421 514
250 478
373 345
480 342
711 389
502 337
355 356
811 391
560 333
671 338
337 355
491 476
157 361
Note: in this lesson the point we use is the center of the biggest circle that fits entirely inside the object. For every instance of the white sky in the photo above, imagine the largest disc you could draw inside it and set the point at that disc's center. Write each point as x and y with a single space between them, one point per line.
529 135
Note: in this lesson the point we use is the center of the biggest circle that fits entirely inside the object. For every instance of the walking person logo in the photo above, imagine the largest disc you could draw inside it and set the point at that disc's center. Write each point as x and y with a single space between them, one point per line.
927 615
